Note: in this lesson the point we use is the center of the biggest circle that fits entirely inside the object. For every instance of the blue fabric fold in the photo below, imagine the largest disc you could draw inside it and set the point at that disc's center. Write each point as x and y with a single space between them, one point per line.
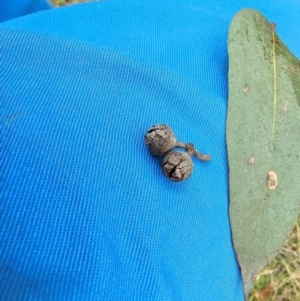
17 8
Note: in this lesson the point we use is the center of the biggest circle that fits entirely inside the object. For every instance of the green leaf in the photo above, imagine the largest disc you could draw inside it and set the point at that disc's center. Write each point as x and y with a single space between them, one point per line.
263 141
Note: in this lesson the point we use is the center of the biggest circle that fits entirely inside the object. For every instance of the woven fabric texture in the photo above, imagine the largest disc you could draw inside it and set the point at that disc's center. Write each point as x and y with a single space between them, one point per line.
86 212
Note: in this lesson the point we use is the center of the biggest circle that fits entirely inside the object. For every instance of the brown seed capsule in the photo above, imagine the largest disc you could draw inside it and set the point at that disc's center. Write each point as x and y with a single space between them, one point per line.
177 166
160 139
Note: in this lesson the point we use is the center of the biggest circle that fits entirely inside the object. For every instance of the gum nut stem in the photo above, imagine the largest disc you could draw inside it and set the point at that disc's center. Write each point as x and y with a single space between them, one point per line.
190 149
160 139
177 166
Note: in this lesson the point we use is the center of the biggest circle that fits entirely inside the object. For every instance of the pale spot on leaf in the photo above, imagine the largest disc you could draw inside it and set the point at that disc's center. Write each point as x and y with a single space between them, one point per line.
246 88
272 180
251 160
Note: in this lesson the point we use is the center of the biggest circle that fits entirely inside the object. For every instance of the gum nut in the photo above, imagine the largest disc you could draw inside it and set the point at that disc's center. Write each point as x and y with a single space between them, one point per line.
177 166
160 139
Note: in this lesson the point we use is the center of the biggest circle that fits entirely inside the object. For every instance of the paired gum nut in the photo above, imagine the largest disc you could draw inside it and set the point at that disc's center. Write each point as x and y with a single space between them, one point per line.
176 165
160 139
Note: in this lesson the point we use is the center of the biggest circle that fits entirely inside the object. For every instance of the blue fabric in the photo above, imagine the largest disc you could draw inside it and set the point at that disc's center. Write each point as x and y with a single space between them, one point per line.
16 8
85 212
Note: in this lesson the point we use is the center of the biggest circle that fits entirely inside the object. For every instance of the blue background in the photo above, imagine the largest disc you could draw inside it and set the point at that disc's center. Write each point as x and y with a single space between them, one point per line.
86 212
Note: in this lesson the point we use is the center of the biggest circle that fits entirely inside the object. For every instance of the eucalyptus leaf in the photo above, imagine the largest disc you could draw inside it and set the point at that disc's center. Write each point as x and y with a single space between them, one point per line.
263 141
